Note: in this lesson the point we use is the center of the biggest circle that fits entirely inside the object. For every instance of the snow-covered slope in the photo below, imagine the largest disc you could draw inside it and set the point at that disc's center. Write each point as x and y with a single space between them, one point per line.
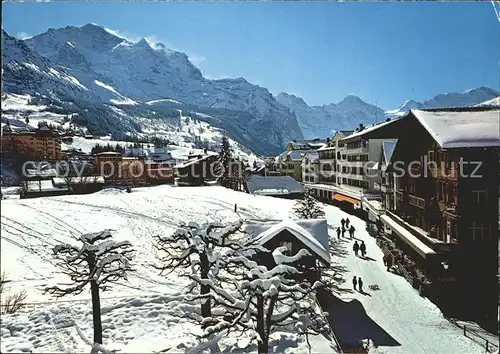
188 132
492 102
139 315
321 121
117 71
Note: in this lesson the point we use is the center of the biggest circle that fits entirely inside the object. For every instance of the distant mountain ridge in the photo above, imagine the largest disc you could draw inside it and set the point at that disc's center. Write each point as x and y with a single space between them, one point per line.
109 84
321 121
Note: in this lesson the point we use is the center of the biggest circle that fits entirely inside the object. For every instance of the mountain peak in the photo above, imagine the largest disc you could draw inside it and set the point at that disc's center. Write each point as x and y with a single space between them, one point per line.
352 99
143 43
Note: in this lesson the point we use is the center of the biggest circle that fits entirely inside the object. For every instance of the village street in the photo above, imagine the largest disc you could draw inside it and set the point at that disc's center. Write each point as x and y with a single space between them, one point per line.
397 318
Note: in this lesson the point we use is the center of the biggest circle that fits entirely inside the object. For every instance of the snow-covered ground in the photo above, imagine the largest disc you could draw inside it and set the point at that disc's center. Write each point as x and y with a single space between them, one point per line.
140 315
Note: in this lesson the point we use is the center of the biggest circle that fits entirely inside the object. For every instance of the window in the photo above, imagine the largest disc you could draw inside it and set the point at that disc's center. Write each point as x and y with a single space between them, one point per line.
479 231
480 196
288 246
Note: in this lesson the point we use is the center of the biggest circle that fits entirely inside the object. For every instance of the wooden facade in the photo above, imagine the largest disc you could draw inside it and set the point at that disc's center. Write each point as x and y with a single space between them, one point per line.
197 170
454 213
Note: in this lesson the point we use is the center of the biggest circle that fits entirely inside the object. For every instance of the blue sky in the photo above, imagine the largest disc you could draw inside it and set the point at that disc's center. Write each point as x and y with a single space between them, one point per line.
322 51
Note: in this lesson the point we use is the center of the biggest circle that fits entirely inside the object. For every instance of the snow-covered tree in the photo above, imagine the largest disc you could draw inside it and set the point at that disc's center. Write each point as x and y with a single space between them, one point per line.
225 157
308 207
98 261
200 250
261 300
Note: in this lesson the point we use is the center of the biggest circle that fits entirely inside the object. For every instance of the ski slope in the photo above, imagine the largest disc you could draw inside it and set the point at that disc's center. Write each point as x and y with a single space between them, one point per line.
142 315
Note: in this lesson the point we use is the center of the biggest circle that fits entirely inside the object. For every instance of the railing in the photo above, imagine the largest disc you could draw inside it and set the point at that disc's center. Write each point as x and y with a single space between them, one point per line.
451 173
448 207
386 189
416 201
400 195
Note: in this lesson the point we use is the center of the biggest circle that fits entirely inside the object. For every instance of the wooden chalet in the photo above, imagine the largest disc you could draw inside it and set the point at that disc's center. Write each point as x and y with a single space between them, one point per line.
442 214
198 170
295 235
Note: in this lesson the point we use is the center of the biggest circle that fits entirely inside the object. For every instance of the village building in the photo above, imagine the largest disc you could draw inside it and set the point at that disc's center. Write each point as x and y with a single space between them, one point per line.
198 170
275 186
80 185
40 144
119 170
441 221
296 235
42 188
310 167
159 172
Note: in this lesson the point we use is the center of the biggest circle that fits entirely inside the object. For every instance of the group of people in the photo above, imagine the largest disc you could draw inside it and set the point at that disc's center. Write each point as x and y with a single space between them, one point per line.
359 247
345 227
357 282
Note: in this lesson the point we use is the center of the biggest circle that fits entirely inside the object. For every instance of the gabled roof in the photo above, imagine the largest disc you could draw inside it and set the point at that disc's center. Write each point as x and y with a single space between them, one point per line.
272 185
369 129
456 129
344 133
312 156
311 232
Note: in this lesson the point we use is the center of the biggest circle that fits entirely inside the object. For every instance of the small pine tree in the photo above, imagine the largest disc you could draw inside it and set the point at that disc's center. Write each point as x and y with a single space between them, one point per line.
308 207
225 159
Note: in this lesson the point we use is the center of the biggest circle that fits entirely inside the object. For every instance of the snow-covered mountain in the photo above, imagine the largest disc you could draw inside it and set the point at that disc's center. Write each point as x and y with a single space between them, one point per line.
469 98
492 102
104 69
321 121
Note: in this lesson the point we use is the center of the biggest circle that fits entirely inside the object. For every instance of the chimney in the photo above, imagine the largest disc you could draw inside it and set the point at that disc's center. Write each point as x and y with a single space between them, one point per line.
361 127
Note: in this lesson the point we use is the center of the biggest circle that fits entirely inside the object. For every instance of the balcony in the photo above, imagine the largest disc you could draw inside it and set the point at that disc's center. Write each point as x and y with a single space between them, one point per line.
386 189
400 195
416 201
357 150
446 173
449 208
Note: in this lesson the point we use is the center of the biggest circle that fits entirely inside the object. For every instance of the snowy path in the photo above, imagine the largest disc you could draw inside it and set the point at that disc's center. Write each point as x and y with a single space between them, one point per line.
139 313
411 320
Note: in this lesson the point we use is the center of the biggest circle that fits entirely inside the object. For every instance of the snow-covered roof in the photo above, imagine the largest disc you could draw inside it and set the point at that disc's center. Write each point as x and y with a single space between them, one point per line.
194 160
326 148
44 186
311 232
454 129
407 236
77 180
259 184
368 130
311 156
108 153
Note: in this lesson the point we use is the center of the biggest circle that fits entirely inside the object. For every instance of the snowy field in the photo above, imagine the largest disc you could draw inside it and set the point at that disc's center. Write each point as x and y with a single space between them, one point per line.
140 315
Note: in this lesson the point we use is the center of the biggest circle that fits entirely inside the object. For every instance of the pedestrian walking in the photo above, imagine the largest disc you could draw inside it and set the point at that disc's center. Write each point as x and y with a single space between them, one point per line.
351 231
384 259
388 263
235 208
342 221
354 282
343 231
362 248
347 222
338 233
360 285
355 248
